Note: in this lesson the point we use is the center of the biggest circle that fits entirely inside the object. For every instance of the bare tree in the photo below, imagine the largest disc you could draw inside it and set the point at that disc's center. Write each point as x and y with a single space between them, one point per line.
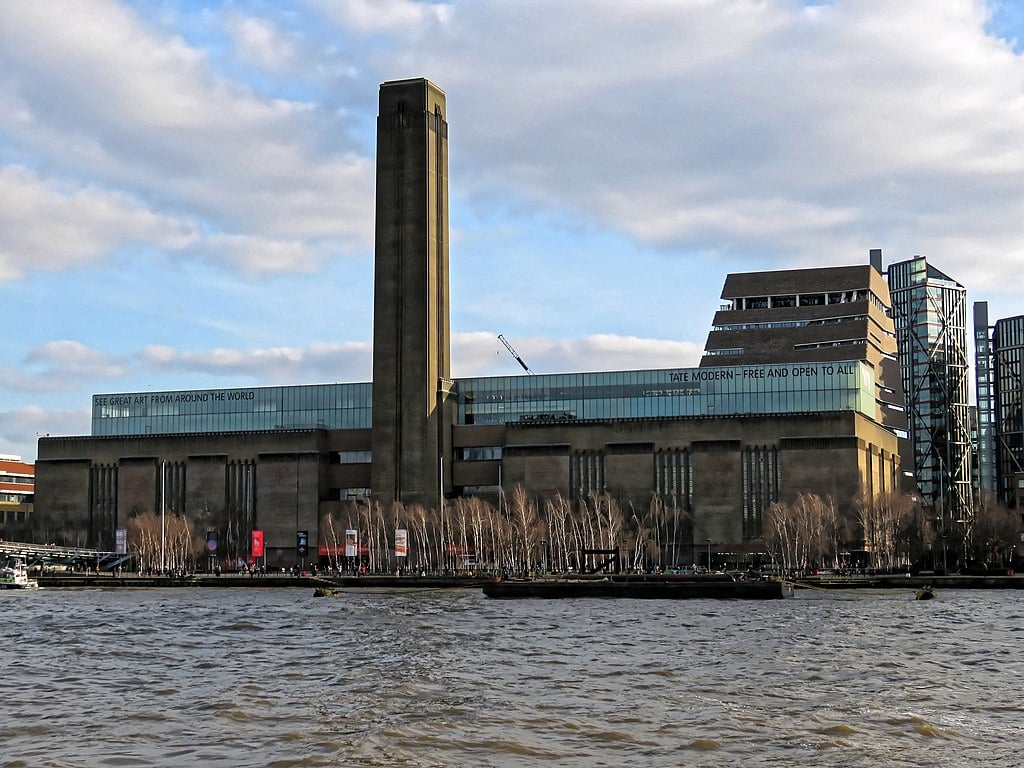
803 534
996 534
144 541
892 525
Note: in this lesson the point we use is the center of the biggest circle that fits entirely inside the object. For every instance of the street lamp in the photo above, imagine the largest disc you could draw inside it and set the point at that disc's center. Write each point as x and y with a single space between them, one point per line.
709 555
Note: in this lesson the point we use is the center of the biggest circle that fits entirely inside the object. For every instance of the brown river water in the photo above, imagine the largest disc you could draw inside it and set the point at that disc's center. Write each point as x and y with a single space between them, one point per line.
276 677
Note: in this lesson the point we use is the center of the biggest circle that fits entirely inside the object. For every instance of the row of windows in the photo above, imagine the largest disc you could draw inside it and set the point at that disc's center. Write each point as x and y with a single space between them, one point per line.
632 408
330 406
587 473
609 395
789 323
351 457
19 479
673 477
760 479
353 418
826 344
347 494
801 300
480 453
685 392
738 379
724 351
1009 333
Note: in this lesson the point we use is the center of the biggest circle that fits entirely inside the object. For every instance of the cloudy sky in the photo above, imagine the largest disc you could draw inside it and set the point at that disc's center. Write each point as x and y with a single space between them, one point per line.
186 187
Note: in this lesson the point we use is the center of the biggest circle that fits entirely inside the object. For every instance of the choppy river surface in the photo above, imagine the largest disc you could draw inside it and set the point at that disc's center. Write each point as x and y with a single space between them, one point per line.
274 677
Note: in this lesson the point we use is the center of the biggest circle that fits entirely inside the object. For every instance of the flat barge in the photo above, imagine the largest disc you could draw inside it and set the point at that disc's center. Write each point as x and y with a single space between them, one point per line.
641 587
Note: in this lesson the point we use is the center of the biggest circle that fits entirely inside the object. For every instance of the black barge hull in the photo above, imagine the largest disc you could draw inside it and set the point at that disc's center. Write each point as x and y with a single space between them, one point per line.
643 590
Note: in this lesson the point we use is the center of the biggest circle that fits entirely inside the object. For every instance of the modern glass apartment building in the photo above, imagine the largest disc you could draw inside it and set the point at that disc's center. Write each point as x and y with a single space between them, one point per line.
985 399
929 311
1008 362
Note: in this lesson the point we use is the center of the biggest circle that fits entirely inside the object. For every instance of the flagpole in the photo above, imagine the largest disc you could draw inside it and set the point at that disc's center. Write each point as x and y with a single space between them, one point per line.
163 527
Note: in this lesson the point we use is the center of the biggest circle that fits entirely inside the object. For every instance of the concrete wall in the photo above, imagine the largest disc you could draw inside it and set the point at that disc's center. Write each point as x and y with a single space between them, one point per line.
62 497
817 453
834 454
205 480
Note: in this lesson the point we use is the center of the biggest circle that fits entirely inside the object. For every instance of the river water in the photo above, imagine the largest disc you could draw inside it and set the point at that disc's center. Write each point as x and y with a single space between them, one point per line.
274 677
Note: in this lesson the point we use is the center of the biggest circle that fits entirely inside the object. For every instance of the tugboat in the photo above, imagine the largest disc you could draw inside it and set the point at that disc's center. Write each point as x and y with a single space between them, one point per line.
14 575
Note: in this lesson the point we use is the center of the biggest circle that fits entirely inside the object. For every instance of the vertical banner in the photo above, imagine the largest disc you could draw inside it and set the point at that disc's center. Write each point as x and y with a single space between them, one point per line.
257 544
120 541
401 542
302 543
351 543
211 542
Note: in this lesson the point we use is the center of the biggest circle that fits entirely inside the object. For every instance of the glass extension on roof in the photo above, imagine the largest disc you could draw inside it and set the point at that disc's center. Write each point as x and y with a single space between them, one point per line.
323 406
711 391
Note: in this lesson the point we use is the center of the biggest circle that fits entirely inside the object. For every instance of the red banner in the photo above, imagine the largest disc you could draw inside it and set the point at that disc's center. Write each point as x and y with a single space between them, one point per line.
257 543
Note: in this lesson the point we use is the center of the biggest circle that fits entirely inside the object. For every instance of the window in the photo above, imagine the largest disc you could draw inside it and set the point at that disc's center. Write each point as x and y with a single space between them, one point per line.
481 453
352 457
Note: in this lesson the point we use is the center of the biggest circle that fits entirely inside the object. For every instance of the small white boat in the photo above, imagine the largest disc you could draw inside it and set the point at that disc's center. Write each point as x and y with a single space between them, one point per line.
14 575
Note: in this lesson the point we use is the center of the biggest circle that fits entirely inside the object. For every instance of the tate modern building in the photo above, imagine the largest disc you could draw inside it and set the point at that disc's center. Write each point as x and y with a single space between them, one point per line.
798 390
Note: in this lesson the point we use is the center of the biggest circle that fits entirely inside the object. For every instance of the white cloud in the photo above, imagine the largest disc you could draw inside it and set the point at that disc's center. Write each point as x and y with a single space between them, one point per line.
764 128
90 87
21 428
758 132
47 225
64 362
281 365
60 366
256 255
369 16
260 41
481 354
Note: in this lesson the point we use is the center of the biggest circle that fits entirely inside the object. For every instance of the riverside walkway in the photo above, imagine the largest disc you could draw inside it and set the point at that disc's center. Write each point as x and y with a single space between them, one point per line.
1001 580
108 579
53 554
61 580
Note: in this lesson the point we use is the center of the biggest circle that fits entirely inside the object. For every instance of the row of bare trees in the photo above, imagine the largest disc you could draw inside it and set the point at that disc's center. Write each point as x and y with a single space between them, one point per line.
521 534
524 533
892 528
171 543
